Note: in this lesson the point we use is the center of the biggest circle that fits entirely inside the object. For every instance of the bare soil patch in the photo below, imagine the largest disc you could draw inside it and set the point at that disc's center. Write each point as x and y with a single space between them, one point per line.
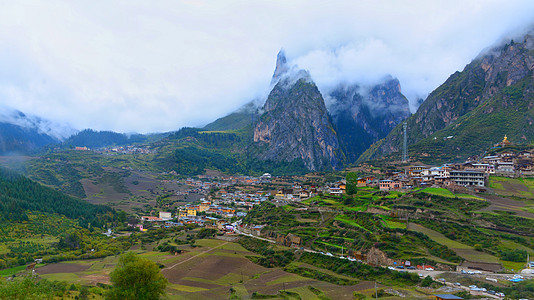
97 278
63 268
211 268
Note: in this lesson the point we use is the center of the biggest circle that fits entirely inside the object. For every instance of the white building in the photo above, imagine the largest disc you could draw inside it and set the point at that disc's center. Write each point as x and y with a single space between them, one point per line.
165 215
468 177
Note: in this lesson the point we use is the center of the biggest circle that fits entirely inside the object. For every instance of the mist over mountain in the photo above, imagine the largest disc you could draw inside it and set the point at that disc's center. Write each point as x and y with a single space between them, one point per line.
325 129
493 96
295 123
50 128
26 133
363 115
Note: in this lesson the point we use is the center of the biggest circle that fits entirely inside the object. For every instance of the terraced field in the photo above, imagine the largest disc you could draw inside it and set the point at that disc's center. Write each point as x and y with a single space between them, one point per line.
216 269
462 250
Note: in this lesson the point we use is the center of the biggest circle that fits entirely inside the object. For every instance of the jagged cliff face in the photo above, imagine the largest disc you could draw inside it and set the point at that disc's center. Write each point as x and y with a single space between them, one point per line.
363 116
491 97
281 68
295 125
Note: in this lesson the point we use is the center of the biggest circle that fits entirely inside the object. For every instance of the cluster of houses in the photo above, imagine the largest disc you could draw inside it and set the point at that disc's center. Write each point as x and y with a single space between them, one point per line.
191 210
120 150
241 199
507 161
467 174
511 163
205 183
188 215
473 173
296 192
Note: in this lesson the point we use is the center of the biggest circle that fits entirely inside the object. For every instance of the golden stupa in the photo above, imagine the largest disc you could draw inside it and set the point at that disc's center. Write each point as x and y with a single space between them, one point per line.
505 142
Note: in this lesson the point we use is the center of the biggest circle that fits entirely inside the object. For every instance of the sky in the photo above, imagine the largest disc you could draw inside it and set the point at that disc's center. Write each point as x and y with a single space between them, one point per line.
153 66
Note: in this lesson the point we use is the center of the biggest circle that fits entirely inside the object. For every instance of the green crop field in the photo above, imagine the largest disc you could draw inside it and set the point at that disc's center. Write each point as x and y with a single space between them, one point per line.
438 192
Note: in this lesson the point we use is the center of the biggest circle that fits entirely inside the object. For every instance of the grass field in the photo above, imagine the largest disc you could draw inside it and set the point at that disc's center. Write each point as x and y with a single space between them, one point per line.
394 224
438 192
518 187
11 271
467 196
446 193
344 219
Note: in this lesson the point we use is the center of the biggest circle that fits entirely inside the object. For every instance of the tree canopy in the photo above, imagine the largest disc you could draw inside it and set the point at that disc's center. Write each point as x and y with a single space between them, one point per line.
19 194
136 278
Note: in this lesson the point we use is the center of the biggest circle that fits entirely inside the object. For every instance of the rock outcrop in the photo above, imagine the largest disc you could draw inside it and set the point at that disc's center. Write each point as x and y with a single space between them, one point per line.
362 116
295 125
473 109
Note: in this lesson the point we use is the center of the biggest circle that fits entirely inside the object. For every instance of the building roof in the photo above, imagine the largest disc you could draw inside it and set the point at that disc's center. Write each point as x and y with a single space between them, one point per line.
467 171
447 296
151 218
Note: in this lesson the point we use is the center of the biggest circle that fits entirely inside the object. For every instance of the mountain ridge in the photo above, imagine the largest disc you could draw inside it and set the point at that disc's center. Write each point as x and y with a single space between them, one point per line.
492 96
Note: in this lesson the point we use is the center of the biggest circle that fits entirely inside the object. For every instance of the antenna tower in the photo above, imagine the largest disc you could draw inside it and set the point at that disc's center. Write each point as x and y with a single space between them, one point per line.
405 145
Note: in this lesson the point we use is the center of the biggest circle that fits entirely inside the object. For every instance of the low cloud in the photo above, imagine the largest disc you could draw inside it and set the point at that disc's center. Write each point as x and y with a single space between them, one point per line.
58 131
157 66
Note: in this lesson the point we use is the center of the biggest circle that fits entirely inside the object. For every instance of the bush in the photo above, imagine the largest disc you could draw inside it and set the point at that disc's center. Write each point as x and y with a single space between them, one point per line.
427 281
514 255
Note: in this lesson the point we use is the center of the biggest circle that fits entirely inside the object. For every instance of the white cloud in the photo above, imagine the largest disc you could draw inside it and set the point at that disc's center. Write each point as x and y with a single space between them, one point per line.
155 66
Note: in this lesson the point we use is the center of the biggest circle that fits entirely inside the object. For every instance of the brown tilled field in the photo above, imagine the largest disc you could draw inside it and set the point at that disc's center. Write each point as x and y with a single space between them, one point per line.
62 268
219 266
208 272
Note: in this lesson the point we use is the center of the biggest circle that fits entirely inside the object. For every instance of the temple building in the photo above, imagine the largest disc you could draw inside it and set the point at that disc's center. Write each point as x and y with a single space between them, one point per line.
505 142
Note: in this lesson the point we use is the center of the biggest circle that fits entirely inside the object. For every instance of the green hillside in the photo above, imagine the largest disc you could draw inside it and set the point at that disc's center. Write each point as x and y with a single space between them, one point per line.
471 111
40 222
20 195
233 121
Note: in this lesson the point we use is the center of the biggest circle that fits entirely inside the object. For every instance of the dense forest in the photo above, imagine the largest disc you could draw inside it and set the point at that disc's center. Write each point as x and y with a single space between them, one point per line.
226 151
95 139
19 195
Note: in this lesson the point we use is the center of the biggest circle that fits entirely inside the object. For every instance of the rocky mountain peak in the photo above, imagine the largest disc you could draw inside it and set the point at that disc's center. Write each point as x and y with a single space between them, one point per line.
490 97
364 114
281 67
295 124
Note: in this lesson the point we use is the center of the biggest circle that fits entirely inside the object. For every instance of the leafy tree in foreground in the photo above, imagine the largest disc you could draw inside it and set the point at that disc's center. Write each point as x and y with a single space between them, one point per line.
136 278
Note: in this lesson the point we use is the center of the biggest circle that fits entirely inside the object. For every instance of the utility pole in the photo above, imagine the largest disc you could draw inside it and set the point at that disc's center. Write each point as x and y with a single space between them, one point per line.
405 145
376 292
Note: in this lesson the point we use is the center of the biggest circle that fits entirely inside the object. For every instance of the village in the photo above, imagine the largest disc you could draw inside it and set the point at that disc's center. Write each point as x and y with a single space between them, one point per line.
227 198
473 173
221 201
